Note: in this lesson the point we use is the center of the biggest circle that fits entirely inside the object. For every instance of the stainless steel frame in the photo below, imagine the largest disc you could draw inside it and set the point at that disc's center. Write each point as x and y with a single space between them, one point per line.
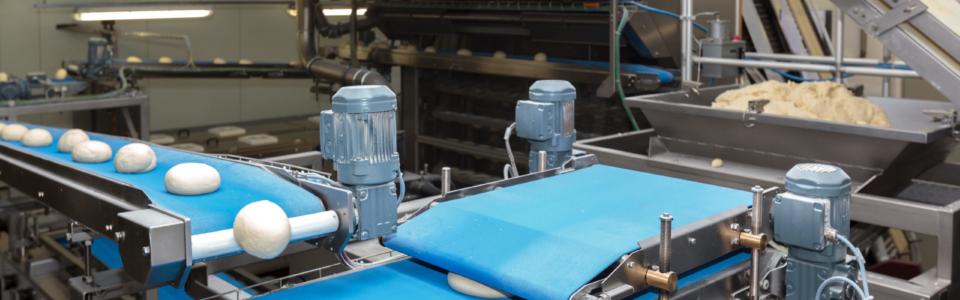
12 113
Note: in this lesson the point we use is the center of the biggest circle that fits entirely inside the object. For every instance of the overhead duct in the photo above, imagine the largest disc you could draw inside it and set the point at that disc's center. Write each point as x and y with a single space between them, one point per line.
317 66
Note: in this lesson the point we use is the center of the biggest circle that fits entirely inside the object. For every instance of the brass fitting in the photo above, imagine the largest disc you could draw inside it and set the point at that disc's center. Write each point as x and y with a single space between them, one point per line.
755 241
666 281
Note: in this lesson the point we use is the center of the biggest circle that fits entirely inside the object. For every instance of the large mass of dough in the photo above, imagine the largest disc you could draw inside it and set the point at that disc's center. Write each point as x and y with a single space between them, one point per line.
37 137
470 287
262 229
828 101
13 132
70 139
190 179
92 152
135 158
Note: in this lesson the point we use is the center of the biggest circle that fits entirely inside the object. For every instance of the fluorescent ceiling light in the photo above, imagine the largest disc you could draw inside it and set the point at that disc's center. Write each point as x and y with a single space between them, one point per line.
342 11
141 13
332 11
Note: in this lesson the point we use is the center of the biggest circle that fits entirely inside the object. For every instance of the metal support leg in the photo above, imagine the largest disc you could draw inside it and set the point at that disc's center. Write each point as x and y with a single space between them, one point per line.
665 230
129 120
886 79
354 62
444 181
838 47
755 220
87 267
685 28
542 161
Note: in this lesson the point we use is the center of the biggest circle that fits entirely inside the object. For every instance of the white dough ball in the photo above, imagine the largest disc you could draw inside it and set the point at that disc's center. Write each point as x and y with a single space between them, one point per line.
540 57
134 59
262 229
716 163
70 139
13 132
499 54
470 287
4 76
430 49
2 125
92 152
464 52
165 60
246 62
190 179
135 158
37 137
61 74
219 61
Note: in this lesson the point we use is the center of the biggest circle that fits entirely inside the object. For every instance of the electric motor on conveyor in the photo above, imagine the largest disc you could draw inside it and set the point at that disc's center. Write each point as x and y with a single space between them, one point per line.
360 135
547 121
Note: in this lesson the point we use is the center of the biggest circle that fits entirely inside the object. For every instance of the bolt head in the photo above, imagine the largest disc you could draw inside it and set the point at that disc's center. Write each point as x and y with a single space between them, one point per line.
735 242
735 226
692 241
109 227
146 250
630 264
765 285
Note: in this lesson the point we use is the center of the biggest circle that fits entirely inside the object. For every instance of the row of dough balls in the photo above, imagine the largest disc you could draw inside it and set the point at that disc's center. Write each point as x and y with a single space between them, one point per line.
61 74
184 179
167 60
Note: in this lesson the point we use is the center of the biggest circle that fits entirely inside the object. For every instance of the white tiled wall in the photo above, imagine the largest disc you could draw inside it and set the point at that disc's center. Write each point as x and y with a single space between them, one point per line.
30 42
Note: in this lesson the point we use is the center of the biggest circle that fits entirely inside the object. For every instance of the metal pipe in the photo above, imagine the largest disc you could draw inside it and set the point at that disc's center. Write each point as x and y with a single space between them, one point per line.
838 47
755 220
316 66
665 231
886 79
805 67
542 161
354 61
87 267
614 43
219 243
686 64
444 181
823 59
738 14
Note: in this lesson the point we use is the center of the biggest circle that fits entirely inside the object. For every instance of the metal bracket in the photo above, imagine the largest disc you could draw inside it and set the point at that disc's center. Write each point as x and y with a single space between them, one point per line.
774 282
892 18
188 246
754 108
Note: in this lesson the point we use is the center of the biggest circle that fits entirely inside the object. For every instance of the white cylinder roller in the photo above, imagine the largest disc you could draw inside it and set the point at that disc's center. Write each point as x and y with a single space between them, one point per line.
219 243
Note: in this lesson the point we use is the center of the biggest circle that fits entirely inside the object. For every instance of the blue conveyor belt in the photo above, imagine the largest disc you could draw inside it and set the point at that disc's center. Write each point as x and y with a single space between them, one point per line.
547 238
397 281
240 184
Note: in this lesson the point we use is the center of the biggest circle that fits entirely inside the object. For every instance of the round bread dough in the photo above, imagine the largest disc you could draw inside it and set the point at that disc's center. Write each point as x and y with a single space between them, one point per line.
829 101
135 158
190 179
499 54
61 74
540 57
37 137
219 61
716 163
464 52
430 49
92 152
246 62
470 287
262 229
70 139
165 60
13 132
4 76
134 59
2 125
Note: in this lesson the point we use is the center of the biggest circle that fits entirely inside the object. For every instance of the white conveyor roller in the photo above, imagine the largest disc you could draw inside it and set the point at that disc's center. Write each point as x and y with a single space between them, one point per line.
219 243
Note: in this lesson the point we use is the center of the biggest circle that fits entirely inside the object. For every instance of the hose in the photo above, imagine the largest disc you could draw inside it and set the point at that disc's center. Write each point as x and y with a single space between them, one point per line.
616 73
403 188
865 292
506 140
